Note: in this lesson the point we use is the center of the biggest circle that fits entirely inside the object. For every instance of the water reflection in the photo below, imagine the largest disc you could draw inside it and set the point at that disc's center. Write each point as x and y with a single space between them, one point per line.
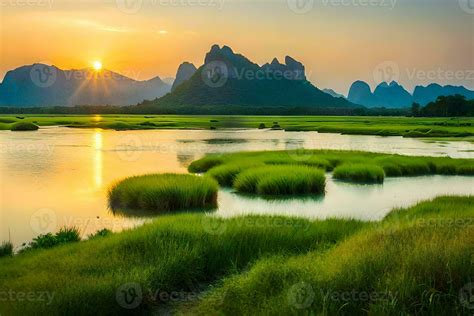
98 162
68 172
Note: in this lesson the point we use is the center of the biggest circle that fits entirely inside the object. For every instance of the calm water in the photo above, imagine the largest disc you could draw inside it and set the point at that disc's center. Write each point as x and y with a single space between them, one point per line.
59 176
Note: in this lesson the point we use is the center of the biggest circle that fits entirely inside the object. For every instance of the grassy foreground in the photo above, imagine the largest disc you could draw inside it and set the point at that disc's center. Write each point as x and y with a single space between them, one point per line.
163 192
416 260
457 128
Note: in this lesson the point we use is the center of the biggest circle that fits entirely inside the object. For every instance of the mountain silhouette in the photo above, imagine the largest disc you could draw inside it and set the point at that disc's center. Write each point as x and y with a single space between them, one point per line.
333 93
185 71
43 85
394 95
228 78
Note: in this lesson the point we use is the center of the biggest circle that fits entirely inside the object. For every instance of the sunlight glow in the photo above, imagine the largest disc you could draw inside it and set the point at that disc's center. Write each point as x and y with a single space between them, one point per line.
97 65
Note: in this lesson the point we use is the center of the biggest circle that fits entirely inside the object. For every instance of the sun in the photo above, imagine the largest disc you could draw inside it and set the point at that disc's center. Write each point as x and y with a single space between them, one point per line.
97 65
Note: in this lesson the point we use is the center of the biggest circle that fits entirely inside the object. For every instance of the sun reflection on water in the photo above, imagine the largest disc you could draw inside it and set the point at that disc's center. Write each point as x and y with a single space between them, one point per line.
98 160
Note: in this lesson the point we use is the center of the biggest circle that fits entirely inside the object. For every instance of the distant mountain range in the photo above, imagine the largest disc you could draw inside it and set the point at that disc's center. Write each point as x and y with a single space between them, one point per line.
394 95
227 78
43 85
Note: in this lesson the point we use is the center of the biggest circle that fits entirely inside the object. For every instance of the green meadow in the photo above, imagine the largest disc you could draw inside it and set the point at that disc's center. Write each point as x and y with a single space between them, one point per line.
455 128
417 260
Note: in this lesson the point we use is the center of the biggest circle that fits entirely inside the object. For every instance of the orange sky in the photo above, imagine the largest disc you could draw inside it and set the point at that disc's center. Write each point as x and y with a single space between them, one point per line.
339 41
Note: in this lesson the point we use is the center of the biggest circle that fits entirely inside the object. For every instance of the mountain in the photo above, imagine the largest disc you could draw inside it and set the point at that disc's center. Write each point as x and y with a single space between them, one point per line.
333 93
392 95
227 78
43 85
430 93
168 80
360 93
185 71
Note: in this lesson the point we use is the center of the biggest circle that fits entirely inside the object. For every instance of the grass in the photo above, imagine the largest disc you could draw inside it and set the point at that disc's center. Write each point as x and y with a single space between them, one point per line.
361 173
226 174
392 165
163 192
416 260
6 249
281 180
64 236
24 126
453 128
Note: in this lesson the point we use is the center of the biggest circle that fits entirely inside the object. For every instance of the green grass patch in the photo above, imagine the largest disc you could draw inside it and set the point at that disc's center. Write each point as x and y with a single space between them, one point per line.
226 174
6 249
164 192
417 261
281 180
392 165
24 126
361 173
64 236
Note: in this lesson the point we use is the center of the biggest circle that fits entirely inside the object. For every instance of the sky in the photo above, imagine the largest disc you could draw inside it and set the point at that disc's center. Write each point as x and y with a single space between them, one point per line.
339 41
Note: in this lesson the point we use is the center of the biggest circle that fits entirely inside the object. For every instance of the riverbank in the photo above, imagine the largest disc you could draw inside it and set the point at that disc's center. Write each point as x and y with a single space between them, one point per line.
454 128
195 263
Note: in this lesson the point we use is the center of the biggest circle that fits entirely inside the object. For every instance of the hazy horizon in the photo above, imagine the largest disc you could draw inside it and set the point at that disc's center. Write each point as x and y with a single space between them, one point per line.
413 42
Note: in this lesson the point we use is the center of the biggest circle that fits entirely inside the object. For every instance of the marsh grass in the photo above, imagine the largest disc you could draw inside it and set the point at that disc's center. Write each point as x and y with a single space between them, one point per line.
254 265
361 173
63 236
225 174
416 261
281 180
163 192
6 249
24 126
392 165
